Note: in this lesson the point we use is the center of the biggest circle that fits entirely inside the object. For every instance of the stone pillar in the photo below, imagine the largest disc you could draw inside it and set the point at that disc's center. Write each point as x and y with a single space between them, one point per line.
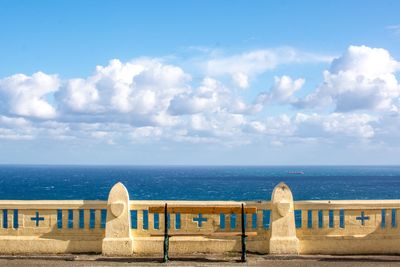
283 230
118 239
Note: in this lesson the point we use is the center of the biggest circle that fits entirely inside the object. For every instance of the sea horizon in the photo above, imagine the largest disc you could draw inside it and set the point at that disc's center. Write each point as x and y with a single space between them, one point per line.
195 165
217 182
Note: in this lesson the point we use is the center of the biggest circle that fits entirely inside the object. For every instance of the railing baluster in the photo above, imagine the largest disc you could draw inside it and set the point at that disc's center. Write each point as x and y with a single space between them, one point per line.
86 219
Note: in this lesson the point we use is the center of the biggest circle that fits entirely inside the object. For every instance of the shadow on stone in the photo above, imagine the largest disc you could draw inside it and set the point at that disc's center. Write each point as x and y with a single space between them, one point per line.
198 260
127 260
358 259
34 257
159 260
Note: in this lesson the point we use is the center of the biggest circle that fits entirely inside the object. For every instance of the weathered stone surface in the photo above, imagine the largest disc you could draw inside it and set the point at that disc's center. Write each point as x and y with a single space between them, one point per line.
118 239
283 231
339 231
117 208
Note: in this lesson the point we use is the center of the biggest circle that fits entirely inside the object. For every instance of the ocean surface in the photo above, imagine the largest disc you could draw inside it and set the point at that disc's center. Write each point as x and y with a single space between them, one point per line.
199 183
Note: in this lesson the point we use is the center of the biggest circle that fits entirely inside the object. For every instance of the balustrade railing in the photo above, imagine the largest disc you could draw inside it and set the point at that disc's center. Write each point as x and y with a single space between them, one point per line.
64 222
123 227
145 223
347 218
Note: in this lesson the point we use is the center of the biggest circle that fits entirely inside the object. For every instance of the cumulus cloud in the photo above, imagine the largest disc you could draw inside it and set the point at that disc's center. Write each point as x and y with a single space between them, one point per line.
363 78
137 91
140 133
304 127
212 128
18 128
275 126
208 97
151 100
24 95
259 61
350 125
15 128
244 65
211 96
282 91
241 80
222 124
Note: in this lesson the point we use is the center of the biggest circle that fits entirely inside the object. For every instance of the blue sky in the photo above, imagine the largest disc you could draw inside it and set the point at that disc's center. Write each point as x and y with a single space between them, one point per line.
202 82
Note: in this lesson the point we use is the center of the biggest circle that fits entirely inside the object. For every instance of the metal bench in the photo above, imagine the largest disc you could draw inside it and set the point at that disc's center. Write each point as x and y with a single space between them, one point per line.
206 210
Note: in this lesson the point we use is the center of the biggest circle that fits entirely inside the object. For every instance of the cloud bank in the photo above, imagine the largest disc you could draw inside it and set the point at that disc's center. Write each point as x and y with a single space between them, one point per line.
152 100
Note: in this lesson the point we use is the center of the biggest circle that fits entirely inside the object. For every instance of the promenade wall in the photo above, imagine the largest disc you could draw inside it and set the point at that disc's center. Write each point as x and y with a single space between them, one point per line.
121 226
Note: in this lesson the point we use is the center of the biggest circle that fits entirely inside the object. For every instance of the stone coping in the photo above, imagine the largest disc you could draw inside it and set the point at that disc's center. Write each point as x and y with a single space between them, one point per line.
199 260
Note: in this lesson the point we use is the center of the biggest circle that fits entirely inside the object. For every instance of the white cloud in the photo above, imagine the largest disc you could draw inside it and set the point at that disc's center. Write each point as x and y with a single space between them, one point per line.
365 61
211 96
24 95
244 65
17 128
149 100
282 91
146 132
363 78
11 122
349 125
100 134
339 128
221 124
280 125
208 97
259 61
222 127
284 87
137 91
394 28
241 80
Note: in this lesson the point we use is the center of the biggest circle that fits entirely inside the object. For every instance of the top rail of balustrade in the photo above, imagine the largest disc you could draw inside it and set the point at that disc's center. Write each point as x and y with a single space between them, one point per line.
52 204
347 204
144 204
98 204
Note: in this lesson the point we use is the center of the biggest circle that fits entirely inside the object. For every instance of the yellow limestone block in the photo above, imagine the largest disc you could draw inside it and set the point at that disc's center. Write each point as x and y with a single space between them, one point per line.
283 230
118 239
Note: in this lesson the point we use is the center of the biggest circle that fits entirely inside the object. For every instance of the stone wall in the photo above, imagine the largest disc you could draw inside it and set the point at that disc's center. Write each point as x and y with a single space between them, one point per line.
123 227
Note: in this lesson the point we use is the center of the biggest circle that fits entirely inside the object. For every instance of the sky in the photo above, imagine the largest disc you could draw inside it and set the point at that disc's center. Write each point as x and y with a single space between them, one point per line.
200 82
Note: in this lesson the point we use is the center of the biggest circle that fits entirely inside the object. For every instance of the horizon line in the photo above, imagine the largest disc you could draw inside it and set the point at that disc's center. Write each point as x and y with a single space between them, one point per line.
197 165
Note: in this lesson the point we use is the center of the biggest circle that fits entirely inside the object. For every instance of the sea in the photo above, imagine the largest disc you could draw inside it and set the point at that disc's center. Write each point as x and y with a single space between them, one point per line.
41 182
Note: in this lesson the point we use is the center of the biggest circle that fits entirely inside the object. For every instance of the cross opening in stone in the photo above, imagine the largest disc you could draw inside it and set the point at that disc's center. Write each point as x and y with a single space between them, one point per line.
37 218
200 220
362 218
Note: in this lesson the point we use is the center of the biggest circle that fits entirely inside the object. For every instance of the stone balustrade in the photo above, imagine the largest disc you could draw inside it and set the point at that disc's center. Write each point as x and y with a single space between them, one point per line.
348 227
51 226
120 226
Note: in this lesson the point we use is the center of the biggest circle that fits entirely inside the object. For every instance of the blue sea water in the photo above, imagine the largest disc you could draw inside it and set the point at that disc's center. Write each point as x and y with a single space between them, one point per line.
199 183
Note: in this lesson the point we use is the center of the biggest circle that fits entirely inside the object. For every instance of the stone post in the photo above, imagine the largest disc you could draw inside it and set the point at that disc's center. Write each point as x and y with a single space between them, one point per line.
283 230
118 239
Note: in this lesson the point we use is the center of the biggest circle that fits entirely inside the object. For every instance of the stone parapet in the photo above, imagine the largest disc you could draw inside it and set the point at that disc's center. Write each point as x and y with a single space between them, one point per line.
124 227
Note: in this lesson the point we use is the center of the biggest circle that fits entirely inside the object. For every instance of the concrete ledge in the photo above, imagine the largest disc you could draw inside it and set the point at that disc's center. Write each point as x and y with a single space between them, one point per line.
28 244
199 260
185 244
350 237
181 245
354 246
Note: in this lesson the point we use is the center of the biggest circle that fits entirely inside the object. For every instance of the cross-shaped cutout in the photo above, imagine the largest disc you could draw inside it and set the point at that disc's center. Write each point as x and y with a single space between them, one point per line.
37 219
362 218
200 220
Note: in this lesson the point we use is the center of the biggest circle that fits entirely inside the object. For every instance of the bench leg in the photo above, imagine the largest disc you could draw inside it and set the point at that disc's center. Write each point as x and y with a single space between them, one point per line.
166 236
244 249
166 247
